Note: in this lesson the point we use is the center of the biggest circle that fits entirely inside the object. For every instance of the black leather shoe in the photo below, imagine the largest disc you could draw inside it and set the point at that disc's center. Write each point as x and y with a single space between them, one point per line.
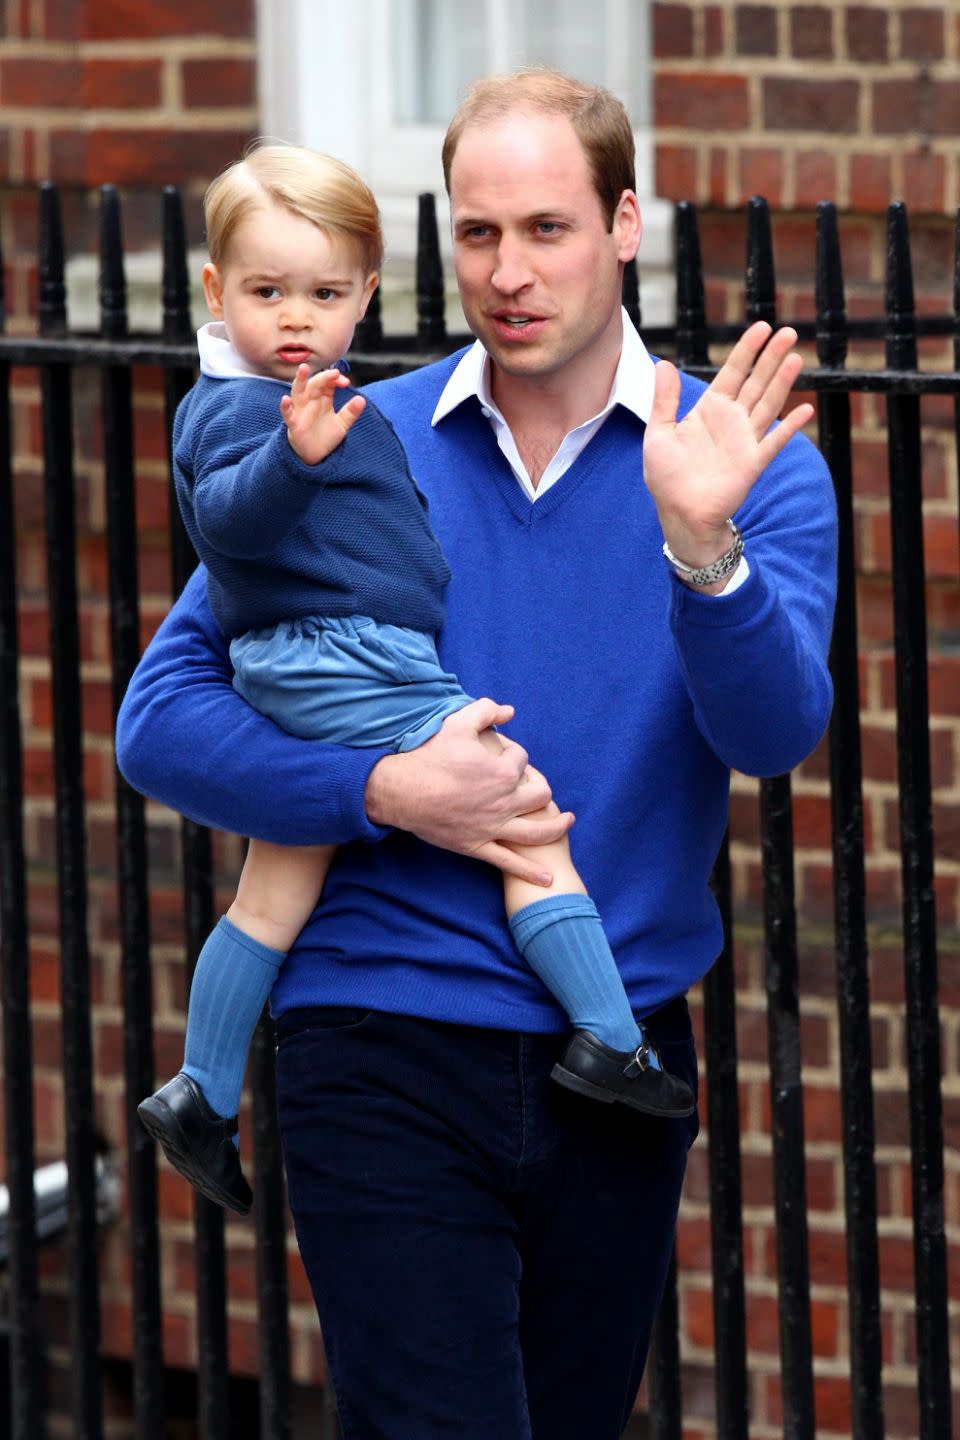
623 1076
197 1141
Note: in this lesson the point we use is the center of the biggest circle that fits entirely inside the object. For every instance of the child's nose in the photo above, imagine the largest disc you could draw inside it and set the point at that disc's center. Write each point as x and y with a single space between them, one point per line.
295 316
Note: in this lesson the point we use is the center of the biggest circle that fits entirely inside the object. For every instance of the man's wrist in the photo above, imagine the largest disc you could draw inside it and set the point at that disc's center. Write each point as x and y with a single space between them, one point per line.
703 573
696 542
379 796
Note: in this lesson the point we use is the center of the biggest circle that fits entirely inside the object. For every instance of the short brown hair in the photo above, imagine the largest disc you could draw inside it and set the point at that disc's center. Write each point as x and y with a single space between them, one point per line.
597 116
314 186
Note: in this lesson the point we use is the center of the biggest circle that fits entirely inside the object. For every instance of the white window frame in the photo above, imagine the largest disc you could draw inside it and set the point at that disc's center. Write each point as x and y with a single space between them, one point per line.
326 80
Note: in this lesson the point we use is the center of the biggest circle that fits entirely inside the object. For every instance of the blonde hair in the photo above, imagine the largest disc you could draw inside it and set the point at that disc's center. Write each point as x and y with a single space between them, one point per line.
314 186
598 118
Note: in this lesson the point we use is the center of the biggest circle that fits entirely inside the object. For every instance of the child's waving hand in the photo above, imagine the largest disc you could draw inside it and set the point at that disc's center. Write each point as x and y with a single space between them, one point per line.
314 428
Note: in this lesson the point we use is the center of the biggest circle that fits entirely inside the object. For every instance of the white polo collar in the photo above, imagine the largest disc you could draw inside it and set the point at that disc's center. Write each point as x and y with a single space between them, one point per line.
221 361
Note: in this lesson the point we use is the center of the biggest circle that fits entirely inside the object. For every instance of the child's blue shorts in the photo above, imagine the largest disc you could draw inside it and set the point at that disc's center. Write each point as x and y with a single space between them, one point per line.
347 681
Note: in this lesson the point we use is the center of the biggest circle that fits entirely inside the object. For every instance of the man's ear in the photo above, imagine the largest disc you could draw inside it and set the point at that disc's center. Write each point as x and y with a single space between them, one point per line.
213 289
627 226
369 285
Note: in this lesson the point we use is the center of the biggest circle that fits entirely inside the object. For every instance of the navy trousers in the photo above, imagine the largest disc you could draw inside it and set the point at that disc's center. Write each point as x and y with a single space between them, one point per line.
486 1250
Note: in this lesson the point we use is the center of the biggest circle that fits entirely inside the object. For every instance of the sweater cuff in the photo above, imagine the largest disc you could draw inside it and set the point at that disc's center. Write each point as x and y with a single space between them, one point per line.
284 454
353 798
719 612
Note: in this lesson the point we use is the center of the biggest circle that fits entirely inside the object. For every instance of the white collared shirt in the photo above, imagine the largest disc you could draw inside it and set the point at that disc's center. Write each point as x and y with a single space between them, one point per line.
632 387
219 359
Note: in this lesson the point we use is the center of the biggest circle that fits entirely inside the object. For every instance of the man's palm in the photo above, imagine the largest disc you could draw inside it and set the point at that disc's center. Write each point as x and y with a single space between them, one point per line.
701 469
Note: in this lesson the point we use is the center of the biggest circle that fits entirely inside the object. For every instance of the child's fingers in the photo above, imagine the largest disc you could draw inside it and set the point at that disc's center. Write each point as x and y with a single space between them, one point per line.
325 382
310 395
350 413
300 381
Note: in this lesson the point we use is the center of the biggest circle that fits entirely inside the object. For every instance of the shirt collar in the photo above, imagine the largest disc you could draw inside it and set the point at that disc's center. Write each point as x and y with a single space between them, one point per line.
220 360
632 383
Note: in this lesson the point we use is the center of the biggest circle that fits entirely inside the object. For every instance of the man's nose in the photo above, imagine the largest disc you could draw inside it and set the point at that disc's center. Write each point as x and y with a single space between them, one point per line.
512 271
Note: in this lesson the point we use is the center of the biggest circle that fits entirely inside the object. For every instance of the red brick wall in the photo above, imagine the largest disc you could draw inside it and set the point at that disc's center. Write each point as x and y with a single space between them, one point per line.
138 95
799 103
855 103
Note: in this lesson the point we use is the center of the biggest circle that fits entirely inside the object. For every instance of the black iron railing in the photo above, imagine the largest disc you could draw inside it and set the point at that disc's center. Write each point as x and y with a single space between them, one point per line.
55 354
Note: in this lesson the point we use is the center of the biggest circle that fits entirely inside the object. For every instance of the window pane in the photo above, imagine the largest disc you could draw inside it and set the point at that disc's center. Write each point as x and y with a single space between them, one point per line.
441 47
439 50
565 34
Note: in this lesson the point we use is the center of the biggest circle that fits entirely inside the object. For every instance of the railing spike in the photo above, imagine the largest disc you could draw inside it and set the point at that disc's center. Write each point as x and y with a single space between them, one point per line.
898 292
956 312
630 292
760 279
52 307
113 283
692 347
431 322
177 326
830 302
369 333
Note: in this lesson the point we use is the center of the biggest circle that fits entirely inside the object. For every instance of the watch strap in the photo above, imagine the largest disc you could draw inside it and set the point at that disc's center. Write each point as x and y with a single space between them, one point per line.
717 570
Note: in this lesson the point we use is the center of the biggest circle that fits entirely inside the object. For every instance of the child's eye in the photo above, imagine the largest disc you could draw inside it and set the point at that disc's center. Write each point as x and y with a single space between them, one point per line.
266 292
325 293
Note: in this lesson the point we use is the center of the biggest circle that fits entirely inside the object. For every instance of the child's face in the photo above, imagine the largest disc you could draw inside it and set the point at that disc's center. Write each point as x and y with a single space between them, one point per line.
289 293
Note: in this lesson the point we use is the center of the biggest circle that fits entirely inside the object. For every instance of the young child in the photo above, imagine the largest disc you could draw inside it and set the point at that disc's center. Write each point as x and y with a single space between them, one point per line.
324 570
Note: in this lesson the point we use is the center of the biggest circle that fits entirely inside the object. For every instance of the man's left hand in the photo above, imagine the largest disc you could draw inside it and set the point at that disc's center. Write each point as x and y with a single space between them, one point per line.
700 470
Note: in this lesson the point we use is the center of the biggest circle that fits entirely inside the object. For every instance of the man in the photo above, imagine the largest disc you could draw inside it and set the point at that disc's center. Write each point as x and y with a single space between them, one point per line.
487 1251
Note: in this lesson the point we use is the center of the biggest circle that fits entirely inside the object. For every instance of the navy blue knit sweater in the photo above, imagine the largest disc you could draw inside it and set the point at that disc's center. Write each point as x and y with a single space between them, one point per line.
281 539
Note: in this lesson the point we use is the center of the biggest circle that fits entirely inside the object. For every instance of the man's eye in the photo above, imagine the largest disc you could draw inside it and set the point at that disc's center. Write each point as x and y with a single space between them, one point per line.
475 232
548 227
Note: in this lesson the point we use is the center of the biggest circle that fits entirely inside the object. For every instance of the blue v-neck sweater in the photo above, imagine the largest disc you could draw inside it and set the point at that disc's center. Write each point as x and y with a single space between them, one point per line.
634 695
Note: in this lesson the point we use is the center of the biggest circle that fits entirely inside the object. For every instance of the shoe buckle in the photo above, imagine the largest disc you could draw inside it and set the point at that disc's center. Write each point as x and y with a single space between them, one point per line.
640 1060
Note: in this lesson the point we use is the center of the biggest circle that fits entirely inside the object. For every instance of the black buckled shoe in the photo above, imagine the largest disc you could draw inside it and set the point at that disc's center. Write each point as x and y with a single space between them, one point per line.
623 1076
197 1141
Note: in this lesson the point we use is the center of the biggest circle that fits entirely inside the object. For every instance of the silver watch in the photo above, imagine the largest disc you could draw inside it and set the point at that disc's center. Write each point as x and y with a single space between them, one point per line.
717 570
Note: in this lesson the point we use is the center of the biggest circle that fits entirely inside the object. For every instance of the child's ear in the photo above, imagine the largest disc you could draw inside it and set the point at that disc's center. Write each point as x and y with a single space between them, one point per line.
369 285
213 289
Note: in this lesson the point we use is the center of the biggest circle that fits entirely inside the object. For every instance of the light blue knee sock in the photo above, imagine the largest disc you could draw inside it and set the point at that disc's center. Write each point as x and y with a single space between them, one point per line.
562 940
231 982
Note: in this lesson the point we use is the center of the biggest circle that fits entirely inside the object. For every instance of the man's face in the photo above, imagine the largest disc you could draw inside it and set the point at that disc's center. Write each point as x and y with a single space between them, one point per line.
538 270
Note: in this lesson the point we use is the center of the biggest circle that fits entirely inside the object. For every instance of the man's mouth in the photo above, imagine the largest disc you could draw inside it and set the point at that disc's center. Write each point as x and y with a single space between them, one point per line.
516 322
